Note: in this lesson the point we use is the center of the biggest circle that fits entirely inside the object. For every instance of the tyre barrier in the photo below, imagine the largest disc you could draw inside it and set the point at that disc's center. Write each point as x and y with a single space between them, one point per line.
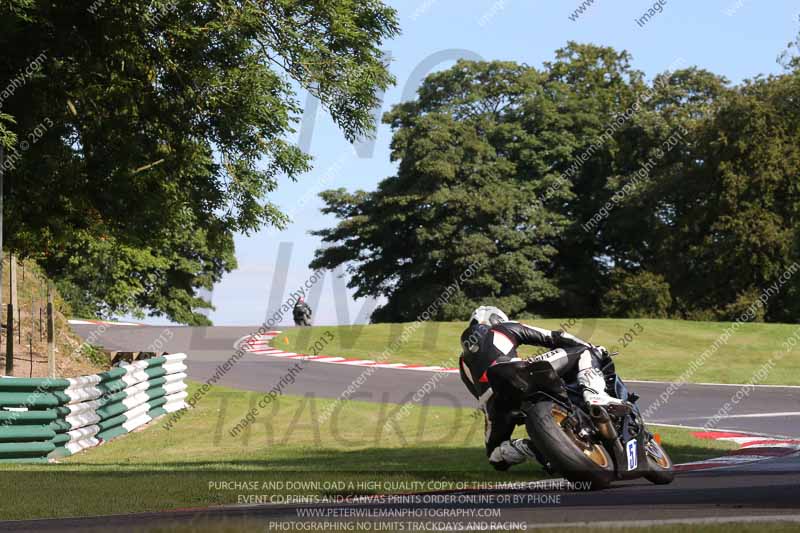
43 419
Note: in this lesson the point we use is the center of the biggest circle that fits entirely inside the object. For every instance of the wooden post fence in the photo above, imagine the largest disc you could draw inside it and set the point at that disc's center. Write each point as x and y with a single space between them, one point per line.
10 340
51 337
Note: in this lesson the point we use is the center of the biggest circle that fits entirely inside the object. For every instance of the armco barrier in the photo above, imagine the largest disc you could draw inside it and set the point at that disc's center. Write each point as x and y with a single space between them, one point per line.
42 419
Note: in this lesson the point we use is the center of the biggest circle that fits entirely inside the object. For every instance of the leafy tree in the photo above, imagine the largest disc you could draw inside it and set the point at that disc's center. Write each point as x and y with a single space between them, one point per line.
790 58
662 214
600 91
155 130
506 161
740 231
471 163
633 295
696 180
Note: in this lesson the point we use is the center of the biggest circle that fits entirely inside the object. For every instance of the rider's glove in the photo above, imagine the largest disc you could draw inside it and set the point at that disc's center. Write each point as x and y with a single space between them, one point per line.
601 351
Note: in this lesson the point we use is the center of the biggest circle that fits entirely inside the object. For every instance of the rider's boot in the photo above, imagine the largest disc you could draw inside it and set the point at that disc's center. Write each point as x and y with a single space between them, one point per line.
594 389
513 452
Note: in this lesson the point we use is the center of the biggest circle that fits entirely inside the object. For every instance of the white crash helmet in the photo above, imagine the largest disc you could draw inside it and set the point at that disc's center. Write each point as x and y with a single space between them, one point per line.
488 315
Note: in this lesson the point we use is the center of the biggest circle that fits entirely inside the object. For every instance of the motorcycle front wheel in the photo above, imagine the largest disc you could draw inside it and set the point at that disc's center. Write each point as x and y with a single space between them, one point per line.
574 457
660 465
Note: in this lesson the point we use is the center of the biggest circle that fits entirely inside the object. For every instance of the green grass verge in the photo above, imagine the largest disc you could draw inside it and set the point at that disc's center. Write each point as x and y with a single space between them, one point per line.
654 349
159 469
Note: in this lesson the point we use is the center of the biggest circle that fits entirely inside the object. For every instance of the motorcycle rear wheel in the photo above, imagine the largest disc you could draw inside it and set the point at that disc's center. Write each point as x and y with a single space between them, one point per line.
570 455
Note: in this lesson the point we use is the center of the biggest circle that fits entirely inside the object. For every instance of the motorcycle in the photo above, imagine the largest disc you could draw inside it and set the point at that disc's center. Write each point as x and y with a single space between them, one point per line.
302 316
594 444
302 320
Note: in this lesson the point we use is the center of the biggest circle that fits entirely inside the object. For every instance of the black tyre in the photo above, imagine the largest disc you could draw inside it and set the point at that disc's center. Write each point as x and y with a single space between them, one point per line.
571 456
662 471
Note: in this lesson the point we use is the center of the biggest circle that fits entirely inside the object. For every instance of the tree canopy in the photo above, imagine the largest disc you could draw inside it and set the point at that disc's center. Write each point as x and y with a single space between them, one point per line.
583 189
141 135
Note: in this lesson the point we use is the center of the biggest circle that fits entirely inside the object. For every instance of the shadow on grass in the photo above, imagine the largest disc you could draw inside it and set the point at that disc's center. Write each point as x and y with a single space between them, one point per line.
95 489
424 460
433 460
107 488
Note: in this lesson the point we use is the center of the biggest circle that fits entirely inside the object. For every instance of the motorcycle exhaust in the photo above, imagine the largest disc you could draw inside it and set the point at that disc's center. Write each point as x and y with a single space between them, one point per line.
603 423
609 435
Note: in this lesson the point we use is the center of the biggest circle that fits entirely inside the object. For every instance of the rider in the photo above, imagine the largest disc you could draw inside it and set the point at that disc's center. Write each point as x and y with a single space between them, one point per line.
302 313
492 339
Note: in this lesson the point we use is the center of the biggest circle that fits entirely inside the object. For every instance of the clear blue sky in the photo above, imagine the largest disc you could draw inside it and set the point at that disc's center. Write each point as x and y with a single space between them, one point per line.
735 38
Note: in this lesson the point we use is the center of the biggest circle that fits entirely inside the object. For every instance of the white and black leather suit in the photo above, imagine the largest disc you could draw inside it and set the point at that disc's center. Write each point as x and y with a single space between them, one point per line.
485 346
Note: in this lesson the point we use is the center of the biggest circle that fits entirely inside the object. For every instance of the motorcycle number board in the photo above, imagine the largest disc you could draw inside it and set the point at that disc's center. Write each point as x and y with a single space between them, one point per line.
633 456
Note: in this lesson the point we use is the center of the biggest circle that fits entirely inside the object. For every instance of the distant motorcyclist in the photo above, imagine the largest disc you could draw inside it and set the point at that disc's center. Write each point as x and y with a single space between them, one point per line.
492 339
301 313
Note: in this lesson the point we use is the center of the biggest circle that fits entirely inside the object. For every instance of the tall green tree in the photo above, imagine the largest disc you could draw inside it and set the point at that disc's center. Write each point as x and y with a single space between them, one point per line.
660 215
599 91
475 150
143 134
716 222
582 190
727 205
506 161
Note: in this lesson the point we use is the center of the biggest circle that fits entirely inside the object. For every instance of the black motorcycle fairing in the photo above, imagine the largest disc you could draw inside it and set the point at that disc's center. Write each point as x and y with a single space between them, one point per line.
509 378
543 377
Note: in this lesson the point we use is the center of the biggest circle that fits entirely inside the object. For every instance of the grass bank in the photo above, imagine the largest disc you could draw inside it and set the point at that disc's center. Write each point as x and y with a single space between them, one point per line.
284 453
